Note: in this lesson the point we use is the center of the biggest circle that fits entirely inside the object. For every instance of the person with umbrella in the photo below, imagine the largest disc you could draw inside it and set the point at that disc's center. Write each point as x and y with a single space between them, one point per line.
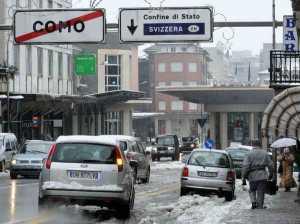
287 160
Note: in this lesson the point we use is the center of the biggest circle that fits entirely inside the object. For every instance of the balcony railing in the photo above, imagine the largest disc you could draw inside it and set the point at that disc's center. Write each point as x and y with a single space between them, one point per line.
284 69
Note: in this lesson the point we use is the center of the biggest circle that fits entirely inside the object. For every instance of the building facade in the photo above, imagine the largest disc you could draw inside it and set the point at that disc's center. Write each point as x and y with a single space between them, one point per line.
174 65
44 69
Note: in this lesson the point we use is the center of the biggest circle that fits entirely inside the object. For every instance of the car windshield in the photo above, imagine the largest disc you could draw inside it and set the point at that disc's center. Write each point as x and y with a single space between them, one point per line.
209 159
40 147
168 140
238 153
84 153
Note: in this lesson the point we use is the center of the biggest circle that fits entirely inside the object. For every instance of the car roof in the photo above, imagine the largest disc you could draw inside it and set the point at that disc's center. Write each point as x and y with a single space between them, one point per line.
211 150
7 134
38 141
86 139
118 137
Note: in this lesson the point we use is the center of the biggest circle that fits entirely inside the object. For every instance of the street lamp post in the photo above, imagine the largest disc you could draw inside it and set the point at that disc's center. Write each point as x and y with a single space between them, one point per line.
274 24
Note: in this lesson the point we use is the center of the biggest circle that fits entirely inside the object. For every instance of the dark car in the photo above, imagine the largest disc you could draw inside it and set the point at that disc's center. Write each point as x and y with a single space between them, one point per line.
238 154
166 146
189 144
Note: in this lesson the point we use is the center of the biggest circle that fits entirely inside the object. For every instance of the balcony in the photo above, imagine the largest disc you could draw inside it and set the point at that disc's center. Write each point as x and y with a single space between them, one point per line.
284 69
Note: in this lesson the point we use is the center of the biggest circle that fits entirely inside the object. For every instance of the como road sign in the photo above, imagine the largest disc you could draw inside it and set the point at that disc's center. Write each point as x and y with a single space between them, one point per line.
166 24
59 26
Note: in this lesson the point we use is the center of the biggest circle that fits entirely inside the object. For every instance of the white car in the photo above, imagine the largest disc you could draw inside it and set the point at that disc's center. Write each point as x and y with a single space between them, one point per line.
208 171
8 148
86 170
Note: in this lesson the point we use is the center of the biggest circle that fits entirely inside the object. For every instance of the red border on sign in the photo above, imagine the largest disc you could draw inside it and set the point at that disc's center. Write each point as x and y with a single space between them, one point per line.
29 36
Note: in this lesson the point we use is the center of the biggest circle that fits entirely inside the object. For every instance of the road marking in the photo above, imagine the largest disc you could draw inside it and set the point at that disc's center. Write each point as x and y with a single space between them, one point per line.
18 185
170 188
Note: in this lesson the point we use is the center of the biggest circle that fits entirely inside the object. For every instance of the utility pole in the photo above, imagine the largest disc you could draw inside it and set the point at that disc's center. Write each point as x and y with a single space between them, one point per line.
274 24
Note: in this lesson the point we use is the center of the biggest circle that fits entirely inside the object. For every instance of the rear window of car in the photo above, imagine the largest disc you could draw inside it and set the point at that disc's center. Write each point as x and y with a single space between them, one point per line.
238 153
167 140
84 153
37 147
209 159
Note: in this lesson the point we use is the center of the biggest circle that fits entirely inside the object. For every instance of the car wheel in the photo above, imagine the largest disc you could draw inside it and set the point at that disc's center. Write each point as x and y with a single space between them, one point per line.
153 157
229 195
123 211
2 166
173 157
183 191
43 203
13 175
147 178
135 175
158 157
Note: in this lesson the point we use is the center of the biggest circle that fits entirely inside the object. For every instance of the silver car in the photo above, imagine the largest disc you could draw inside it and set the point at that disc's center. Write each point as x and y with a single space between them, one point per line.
135 153
208 171
86 170
29 161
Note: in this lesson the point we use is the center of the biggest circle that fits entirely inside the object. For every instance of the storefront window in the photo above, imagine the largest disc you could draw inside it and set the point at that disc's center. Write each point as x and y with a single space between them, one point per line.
113 123
238 127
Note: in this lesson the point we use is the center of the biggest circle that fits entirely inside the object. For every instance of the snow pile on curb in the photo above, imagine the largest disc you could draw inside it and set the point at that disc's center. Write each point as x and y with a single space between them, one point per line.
147 220
166 165
4 174
77 186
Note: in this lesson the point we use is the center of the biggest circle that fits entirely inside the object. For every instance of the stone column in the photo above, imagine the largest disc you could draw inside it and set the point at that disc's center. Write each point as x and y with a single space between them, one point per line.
223 130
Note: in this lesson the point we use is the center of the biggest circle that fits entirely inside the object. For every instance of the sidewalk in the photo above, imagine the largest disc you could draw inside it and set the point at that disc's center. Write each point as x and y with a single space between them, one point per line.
281 209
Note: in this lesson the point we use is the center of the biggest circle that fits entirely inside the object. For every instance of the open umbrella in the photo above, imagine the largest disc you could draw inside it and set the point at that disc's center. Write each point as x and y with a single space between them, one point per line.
284 142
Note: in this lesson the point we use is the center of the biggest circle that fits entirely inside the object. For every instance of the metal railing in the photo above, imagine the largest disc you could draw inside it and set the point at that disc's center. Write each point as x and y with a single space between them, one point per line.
284 69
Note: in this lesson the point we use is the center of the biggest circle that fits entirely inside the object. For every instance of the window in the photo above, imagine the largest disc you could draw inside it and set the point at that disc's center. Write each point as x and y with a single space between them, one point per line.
50 4
161 84
41 4
193 106
60 65
161 127
192 67
29 5
177 105
161 67
162 105
40 61
29 60
59 6
17 56
112 73
176 83
50 63
113 123
176 67
173 49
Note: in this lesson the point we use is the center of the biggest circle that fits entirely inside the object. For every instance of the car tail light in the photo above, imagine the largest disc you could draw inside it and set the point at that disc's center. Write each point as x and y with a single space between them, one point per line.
119 159
230 176
50 155
185 172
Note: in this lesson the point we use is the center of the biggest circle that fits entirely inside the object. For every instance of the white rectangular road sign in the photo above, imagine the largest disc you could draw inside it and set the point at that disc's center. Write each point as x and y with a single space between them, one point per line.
166 24
59 26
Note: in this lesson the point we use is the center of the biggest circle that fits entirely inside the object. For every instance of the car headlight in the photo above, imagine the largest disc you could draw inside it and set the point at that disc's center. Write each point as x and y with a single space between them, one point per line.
14 162
192 145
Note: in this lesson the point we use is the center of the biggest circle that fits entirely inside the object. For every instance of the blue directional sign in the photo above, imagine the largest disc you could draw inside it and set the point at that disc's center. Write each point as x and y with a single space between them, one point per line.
174 28
166 24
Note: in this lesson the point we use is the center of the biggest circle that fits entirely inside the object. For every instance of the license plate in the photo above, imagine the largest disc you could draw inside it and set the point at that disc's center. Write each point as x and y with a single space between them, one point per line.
206 174
88 175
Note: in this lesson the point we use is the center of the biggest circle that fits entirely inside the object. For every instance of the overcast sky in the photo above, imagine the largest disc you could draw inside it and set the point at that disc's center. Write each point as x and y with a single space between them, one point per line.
234 10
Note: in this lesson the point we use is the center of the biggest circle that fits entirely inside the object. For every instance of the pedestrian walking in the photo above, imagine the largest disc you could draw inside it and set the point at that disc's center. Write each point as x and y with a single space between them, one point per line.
257 169
287 180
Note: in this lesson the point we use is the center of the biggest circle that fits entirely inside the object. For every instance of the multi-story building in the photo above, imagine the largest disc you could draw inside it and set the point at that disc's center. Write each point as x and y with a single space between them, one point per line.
219 65
41 69
244 66
117 72
174 65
